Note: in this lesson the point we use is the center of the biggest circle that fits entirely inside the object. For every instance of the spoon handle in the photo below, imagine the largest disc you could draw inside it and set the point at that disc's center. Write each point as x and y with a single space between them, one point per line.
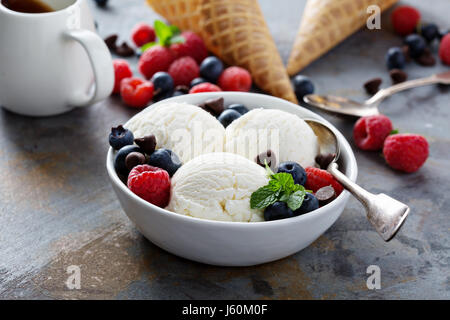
385 213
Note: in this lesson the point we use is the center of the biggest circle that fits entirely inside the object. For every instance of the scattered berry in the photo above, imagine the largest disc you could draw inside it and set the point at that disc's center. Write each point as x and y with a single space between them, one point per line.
205 87
165 159
302 86
395 58
163 83
193 46
120 137
235 79
325 195
134 159
119 159
310 203
372 86
142 33
295 170
136 92
405 152
416 44
278 210
444 49
151 184
211 68
122 71
370 132
398 76
146 143
238 107
228 116
197 81
155 59
429 31
183 71
318 178
405 19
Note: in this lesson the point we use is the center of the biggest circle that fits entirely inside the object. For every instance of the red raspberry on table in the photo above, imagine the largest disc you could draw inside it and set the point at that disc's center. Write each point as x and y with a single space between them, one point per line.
205 87
142 33
151 184
405 19
317 178
193 46
183 71
155 59
405 152
122 70
235 79
370 132
136 92
444 49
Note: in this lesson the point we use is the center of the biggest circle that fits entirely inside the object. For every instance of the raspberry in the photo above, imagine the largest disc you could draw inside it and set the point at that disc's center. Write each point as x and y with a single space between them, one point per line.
151 184
136 92
183 71
193 46
405 19
205 87
142 33
235 79
444 49
318 178
370 132
405 152
155 59
122 70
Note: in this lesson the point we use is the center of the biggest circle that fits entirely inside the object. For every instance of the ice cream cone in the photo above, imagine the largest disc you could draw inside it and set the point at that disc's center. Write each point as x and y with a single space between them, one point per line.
325 24
235 31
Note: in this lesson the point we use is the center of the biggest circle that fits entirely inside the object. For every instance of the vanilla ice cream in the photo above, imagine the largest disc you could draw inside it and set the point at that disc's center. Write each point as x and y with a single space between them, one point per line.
285 134
185 129
217 186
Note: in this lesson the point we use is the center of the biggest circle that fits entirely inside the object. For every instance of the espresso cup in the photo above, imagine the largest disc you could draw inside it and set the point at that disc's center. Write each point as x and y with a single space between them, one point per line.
52 62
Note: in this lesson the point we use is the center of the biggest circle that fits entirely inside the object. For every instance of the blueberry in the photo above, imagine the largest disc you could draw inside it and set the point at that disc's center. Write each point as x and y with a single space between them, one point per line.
211 68
163 82
295 170
119 159
165 159
163 95
278 210
309 204
120 137
395 58
302 86
429 31
197 81
101 3
228 116
238 107
416 44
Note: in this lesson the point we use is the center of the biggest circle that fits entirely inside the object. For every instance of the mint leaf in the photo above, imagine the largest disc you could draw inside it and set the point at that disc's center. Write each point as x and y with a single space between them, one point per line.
274 185
269 171
163 32
263 197
147 46
175 30
296 199
395 131
285 180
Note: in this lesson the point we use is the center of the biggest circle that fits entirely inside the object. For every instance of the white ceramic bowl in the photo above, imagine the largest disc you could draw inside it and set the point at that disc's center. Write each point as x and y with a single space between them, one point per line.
233 243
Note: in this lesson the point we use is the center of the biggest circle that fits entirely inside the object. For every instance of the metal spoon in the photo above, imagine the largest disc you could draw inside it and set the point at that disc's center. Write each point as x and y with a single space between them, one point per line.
349 107
385 213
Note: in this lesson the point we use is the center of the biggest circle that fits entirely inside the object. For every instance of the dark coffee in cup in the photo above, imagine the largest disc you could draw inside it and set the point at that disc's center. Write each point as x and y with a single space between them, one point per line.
27 6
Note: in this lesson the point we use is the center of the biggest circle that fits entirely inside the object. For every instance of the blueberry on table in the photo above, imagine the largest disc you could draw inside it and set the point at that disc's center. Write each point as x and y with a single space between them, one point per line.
278 210
302 86
197 81
165 159
238 107
416 44
211 68
228 116
310 203
101 3
120 137
162 82
395 58
121 155
429 31
295 170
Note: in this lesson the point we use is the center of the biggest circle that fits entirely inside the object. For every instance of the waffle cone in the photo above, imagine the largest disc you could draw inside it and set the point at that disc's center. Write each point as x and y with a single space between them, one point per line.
325 24
236 32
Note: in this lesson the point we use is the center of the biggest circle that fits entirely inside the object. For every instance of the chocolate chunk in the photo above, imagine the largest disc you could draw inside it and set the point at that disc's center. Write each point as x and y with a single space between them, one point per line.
372 86
125 50
183 89
214 106
325 195
111 42
426 58
406 53
268 157
147 143
324 160
134 159
398 76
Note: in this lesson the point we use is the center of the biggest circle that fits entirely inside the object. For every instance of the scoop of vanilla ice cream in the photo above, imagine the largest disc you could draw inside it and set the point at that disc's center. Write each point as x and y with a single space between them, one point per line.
217 186
285 134
185 129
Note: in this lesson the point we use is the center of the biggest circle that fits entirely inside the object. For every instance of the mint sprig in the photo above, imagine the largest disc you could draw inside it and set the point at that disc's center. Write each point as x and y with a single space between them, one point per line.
166 34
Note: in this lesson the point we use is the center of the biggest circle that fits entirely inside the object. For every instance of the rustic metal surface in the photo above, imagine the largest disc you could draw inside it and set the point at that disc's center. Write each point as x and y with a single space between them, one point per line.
58 209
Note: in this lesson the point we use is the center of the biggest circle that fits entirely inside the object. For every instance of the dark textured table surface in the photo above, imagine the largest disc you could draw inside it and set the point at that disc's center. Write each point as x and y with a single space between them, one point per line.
57 207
